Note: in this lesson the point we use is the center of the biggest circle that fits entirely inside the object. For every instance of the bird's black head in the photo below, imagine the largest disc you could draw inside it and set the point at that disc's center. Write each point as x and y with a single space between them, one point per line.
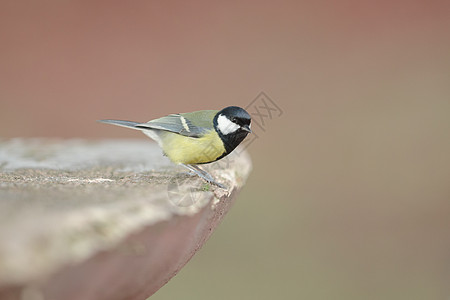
232 124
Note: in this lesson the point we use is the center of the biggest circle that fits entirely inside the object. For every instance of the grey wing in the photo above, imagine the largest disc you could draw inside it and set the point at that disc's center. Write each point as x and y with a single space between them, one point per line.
175 123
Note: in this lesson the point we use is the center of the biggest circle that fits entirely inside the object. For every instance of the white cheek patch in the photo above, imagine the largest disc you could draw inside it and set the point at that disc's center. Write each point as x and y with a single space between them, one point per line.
225 125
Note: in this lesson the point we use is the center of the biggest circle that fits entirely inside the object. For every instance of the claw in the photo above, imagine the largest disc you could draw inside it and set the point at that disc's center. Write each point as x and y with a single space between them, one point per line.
204 175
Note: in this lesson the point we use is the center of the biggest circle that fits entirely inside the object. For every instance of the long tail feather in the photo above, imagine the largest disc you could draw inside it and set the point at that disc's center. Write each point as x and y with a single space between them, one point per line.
128 124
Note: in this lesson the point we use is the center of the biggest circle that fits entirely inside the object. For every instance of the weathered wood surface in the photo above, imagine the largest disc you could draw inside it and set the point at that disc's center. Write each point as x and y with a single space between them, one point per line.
102 219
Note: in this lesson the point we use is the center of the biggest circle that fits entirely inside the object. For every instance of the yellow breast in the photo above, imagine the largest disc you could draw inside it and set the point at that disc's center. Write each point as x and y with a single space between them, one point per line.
188 150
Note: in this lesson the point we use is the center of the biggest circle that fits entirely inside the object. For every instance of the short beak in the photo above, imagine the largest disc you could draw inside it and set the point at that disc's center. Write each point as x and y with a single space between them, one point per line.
246 128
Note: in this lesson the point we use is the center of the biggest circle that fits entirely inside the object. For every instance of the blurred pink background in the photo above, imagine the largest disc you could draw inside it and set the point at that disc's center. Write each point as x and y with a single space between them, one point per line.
349 197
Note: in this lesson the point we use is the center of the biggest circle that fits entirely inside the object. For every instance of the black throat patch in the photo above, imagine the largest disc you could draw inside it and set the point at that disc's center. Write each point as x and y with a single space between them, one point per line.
230 141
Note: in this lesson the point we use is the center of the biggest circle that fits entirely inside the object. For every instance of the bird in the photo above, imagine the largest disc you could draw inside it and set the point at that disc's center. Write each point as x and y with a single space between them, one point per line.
196 138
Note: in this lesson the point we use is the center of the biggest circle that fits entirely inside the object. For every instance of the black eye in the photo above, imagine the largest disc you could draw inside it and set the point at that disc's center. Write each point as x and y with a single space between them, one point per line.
234 120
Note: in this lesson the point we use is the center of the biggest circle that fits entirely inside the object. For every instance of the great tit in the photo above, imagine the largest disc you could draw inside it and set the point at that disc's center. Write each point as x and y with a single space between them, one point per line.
199 137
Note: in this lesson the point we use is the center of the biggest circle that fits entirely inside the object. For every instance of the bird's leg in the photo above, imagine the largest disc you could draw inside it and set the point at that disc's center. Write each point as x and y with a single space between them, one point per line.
203 174
207 175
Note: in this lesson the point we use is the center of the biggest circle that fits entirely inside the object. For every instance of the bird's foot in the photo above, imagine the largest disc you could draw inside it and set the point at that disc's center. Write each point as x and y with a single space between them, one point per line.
204 175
